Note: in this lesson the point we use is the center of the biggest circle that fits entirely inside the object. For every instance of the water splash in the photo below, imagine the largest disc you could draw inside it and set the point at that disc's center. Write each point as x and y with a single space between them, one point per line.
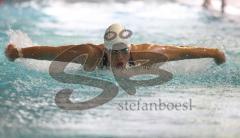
19 38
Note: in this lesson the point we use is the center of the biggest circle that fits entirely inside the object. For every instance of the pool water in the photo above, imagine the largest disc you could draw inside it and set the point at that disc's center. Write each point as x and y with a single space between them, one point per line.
27 91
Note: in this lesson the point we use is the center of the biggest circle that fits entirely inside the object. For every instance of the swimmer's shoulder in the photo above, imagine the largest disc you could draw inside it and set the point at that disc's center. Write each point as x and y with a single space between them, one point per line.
99 48
144 47
91 45
95 48
149 47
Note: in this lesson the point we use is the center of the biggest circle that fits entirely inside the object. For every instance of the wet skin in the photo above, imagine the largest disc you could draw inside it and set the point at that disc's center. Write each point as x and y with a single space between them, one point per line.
118 59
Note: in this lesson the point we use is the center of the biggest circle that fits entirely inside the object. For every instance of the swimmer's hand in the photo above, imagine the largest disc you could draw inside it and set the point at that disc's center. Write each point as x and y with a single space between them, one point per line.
11 52
220 57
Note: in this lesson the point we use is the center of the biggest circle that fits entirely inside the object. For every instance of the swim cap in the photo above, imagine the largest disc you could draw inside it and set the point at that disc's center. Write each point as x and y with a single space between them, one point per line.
116 37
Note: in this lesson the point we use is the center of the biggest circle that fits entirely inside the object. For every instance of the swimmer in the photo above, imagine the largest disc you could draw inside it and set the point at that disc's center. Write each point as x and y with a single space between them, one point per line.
116 52
207 4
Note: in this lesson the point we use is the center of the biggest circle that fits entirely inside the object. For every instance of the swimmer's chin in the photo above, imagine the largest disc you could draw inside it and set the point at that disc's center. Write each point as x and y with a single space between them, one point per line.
120 65
117 67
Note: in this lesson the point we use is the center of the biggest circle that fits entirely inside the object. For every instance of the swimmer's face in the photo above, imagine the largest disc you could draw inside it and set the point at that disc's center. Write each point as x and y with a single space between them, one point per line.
116 40
119 58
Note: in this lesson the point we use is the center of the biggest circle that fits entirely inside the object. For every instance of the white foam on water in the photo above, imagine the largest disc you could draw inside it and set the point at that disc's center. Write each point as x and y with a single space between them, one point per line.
80 17
19 38
188 66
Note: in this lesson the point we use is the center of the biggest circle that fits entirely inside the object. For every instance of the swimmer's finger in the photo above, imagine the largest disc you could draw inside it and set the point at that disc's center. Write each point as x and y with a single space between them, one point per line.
11 52
220 58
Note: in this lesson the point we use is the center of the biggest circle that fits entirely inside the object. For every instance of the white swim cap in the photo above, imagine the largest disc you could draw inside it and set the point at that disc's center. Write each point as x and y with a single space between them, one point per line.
116 37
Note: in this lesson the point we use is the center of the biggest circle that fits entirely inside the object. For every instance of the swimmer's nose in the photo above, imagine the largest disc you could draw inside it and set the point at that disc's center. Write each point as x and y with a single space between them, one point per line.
119 56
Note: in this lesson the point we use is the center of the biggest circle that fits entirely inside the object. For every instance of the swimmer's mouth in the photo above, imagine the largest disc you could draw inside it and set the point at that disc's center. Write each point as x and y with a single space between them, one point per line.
119 65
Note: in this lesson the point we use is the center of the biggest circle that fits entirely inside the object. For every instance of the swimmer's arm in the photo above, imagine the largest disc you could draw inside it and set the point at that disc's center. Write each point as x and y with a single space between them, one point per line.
64 53
187 52
61 53
173 53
